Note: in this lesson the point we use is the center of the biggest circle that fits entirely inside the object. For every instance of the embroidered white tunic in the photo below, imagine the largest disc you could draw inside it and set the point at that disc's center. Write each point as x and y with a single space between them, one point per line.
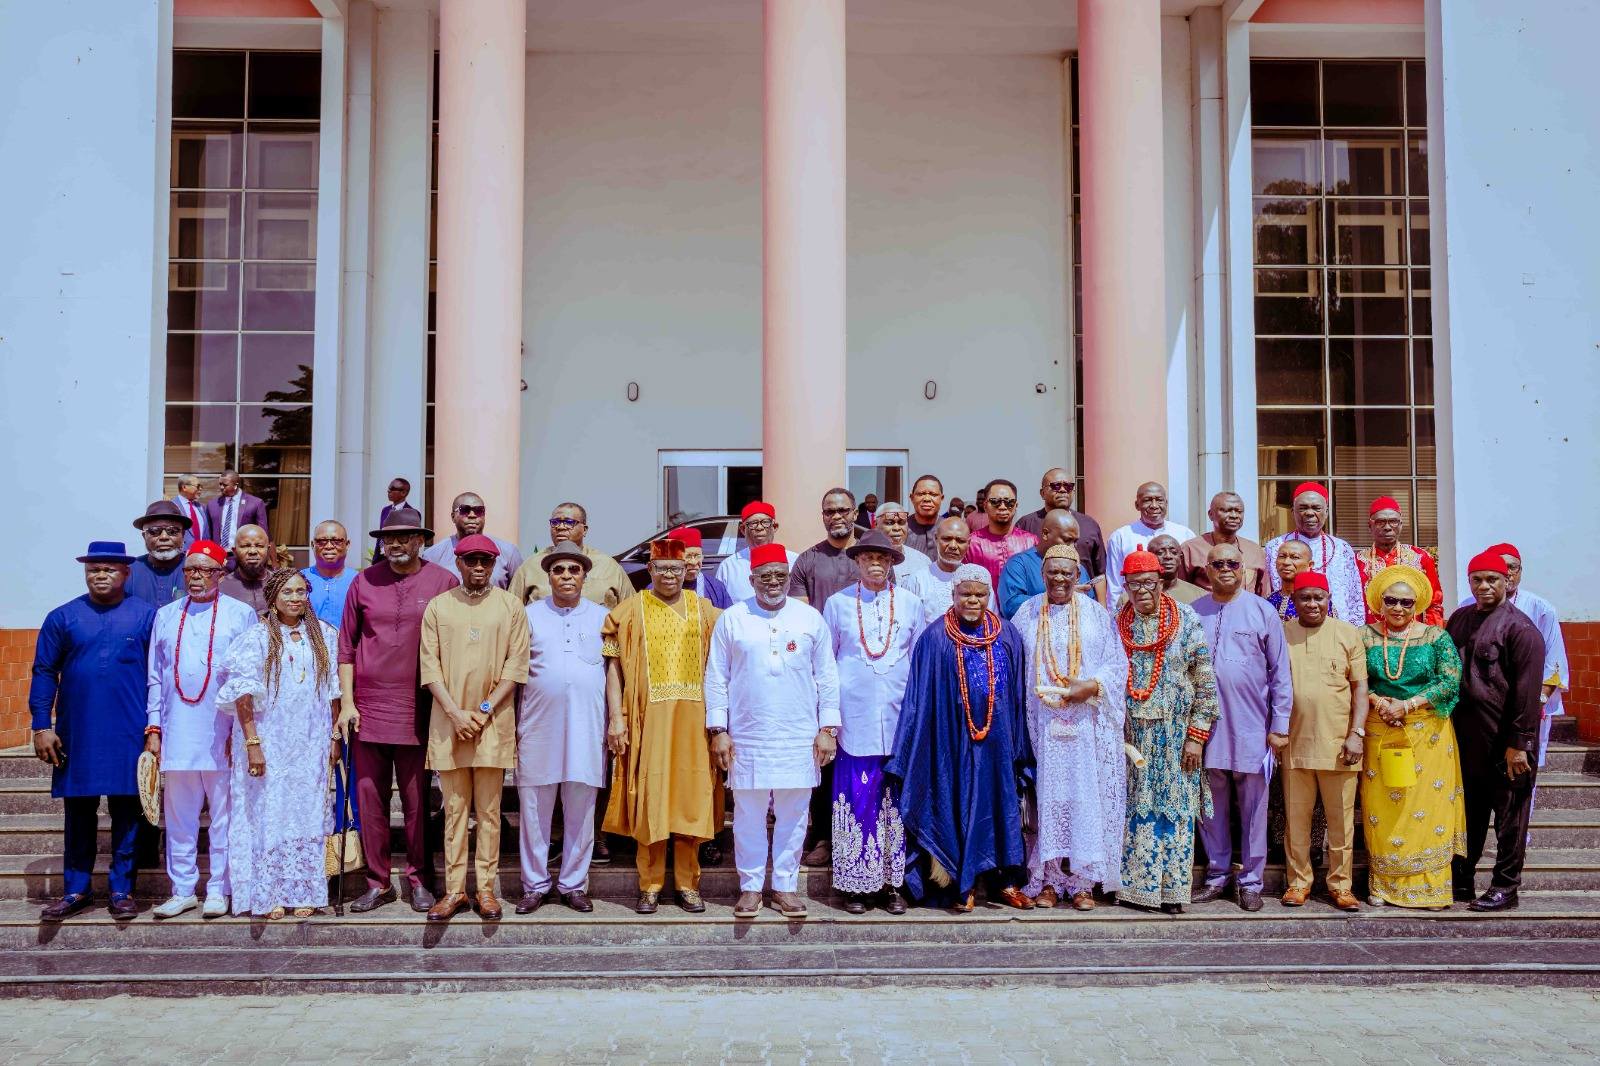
1129 539
871 690
1334 559
193 735
915 561
772 682
561 721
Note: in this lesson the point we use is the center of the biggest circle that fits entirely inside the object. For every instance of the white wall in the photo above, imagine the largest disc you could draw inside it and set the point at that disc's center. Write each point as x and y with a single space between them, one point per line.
643 239
1514 159
82 223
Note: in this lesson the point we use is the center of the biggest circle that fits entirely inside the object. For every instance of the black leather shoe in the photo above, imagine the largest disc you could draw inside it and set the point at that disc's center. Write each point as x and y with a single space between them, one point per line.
123 909
66 907
372 899
1249 900
710 853
1464 895
602 851
1209 893
530 902
1496 899
854 904
578 901
422 900
896 903
1172 908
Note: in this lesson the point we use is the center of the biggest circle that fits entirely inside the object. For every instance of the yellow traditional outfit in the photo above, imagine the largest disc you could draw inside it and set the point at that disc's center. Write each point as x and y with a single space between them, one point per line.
606 583
663 785
1412 832
469 646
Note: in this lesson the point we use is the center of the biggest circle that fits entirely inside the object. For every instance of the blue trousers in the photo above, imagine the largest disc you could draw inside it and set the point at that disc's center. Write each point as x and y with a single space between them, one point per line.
80 832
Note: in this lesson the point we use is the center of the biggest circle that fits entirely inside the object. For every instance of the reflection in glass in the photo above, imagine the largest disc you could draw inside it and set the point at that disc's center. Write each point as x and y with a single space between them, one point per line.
1289 370
202 296
1361 94
1367 232
1366 371
1366 302
206 157
276 366
285 84
1363 164
1428 515
1285 164
1422 369
280 225
275 438
1290 442
207 84
1417 166
1371 441
199 439
1427 459
1283 93
1352 500
203 366
692 491
1287 231
282 157
203 225
1421 301
1420 252
1288 301
279 296
1416 95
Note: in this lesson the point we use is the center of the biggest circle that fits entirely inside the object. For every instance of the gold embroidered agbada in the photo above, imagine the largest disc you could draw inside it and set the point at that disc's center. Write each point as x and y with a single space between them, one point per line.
664 783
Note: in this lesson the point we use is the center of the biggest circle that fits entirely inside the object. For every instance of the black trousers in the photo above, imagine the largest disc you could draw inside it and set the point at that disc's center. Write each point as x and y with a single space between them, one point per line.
1488 792
821 827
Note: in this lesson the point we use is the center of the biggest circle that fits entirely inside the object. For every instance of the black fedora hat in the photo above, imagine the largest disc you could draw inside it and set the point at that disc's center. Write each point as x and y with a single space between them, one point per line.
401 520
568 551
876 541
163 509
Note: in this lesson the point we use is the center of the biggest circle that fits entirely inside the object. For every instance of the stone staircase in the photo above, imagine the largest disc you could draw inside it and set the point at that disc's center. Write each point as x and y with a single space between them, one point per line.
1554 938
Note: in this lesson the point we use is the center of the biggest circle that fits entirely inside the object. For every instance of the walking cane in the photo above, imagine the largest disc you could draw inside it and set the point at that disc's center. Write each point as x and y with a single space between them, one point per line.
344 820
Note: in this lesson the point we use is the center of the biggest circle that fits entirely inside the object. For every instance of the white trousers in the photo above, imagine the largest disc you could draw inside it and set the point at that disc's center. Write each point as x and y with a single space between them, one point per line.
182 794
538 803
789 808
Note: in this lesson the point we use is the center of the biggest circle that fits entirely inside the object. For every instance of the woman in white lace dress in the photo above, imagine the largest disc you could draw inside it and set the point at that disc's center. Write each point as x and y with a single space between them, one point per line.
281 683
1076 684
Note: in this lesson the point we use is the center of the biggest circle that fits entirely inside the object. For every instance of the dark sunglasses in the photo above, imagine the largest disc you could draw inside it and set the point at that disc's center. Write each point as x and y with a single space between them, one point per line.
1060 486
997 501
1396 601
472 512
1225 564
321 541
566 570
478 559
834 512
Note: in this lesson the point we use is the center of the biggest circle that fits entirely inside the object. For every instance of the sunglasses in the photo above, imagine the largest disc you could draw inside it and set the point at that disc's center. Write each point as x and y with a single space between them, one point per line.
998 501
1396 601
1225 564
566 570
835 512
478 559
322 542
1060 486
472 512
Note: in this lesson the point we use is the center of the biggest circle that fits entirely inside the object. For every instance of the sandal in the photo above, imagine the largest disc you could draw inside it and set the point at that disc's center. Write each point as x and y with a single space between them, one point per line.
304 912
275 914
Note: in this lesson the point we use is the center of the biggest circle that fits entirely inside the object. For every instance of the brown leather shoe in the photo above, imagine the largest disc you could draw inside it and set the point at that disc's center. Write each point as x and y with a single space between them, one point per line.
450 905
1345 901
488 907
788 904
748 905
1012 896
1083 900
1295 896
1046 898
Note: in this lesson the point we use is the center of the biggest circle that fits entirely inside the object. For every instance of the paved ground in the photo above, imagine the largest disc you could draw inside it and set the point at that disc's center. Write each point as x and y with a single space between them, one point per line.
1170 1023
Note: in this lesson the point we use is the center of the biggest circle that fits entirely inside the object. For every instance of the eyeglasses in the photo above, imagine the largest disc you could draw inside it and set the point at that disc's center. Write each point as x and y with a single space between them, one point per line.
478 559
996 501
566 570
208 571
1143 586
162 530
835 512
1224 564
758 524
566 523
471 512
323 542
1396 601
1060 486
664 569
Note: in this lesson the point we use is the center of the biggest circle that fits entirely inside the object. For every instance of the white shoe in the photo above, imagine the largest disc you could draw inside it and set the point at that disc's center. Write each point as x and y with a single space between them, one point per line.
216 906
176 906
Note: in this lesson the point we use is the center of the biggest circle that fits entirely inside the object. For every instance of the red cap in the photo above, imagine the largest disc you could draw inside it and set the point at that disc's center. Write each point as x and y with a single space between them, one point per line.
1488 560
1141 562
1384 503
1506 549
1308 486
762 554
687 534
1310 579
477 542
210 549
757 507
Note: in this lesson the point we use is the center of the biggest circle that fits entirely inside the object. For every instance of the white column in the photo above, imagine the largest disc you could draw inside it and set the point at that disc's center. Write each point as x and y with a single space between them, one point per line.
329 282
397 358
1512 161
1212 410
351 465
86 134
1238 253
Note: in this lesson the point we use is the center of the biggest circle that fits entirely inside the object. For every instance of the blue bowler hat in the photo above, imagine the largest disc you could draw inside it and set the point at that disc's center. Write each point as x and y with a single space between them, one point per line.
106 551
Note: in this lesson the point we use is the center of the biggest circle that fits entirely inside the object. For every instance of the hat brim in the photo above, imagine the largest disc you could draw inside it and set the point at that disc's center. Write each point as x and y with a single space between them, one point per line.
892 552
125 560
396 531
548 560
145 519
1391 575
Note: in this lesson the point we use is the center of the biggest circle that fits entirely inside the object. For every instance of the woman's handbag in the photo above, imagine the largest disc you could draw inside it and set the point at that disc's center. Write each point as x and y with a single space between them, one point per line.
1397 764
342 847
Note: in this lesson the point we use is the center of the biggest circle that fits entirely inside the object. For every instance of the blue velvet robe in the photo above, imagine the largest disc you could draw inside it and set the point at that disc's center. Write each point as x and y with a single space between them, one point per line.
713 591
959 798
156 589
89 665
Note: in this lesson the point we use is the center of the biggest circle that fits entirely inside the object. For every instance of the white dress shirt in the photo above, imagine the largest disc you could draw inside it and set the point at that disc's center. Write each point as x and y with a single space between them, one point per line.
1131 538
871 690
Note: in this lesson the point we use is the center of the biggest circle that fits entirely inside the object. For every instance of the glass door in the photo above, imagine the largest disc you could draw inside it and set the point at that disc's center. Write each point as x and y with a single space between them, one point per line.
699 484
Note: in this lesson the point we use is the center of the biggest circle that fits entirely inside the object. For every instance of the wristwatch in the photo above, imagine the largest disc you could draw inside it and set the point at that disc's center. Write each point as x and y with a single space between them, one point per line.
1358 731
715 730
486 707
831 730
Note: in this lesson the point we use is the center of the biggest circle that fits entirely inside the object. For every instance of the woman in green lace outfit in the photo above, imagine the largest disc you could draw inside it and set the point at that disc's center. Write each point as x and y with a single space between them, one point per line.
1413 674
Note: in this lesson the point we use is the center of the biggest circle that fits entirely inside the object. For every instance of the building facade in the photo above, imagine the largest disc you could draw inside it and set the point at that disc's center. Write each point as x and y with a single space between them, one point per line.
662 258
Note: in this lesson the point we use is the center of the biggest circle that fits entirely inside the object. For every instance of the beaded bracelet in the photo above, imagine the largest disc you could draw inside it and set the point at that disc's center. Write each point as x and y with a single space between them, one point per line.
1196 734
149 729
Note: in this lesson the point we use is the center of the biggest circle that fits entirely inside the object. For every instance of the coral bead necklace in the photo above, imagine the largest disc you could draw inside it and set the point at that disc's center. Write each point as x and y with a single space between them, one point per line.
1166 628
988 633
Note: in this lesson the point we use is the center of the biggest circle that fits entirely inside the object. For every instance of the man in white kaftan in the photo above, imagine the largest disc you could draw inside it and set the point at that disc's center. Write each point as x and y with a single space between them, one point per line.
772 711
1331 556
1081 773
1151 502
561 732
188 646
758 525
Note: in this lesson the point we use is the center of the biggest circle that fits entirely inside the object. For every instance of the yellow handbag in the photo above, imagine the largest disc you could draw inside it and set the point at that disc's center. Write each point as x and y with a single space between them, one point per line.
351 852
1397 764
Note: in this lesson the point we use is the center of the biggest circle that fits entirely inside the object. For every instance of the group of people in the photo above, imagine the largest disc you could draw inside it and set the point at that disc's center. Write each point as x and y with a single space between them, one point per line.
930 707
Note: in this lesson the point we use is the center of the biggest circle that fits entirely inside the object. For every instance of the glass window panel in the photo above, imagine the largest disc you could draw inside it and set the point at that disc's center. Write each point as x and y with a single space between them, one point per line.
202 366
432 343
1367 232
1077 231
1072 73
1366 302
1285 164
1352 501
207 84
1427 457
282 157
199 439
207 157
1421 301
285 84
1417 166
691 492
203 225
1373 441
1365 372
1361 94
276 367
1077 297
1276 506
1416 95
1287 231
1428 515
1289 370
1283 94
427 458
1363 164
1288 301
280 225
433 297
1420 251
288 502
274 439
202 296
1422 369
279 296
1290 442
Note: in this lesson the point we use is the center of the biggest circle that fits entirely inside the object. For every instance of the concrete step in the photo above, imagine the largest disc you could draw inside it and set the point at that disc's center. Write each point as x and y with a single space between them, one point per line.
1572 758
